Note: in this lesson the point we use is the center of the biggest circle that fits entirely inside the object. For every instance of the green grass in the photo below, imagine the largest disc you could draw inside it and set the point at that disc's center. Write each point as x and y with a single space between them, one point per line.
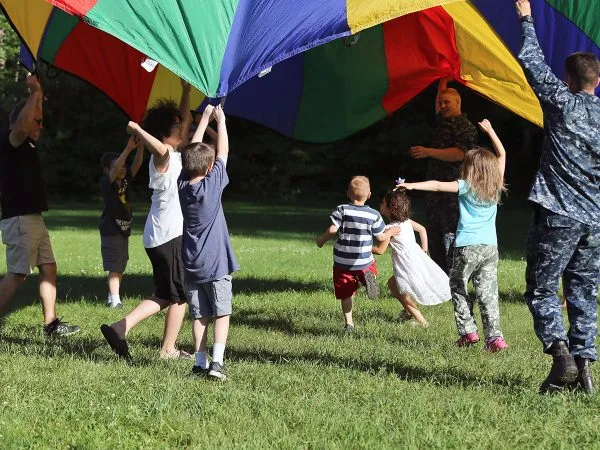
295 381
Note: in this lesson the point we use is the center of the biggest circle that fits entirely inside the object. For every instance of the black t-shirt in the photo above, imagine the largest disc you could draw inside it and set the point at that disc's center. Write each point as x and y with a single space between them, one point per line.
117 213
22 184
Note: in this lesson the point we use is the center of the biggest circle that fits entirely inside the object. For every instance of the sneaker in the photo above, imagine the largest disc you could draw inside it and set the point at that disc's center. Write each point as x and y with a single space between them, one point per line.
200 371
217 371
404 316
113 305
176 354
495 344
58 328
371 285
349 329
563 372
118 345
468 339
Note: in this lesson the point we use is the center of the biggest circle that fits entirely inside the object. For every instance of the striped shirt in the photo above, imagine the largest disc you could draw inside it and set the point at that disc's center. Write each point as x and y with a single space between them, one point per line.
357 224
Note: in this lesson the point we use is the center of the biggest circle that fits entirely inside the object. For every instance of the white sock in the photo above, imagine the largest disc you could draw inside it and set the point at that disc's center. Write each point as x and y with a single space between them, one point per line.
218 352
114 298
201 360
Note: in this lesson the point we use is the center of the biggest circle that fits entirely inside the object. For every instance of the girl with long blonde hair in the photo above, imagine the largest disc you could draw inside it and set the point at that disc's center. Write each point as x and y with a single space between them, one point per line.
476 247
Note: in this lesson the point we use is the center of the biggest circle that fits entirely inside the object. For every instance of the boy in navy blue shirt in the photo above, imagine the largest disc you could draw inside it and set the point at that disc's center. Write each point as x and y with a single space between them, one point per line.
207 255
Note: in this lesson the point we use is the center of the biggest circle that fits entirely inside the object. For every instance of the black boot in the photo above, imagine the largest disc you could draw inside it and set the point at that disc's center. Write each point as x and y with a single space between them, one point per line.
584 381
563 371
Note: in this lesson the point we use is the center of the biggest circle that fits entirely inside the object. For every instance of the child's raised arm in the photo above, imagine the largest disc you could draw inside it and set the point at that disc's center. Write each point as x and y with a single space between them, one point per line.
417 227
159 150
203 124
138 160
184 110
120 161
223 138
432 186
443 84
329 233
486 126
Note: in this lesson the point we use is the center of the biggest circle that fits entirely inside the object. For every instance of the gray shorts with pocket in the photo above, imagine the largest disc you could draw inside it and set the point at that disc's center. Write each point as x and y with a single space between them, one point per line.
115 252
210 299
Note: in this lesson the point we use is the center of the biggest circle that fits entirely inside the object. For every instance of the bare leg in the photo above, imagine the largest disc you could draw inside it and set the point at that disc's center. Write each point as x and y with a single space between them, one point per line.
8 286
200 333
147 308
221 329
47 289
347 310
114 282
173 322
407 302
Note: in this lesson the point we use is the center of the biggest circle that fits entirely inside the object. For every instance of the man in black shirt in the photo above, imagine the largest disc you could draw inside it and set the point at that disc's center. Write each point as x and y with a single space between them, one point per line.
23 198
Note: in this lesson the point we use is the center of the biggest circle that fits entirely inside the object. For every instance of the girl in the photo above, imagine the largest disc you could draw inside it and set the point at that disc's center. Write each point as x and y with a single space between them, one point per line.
476 246
416 276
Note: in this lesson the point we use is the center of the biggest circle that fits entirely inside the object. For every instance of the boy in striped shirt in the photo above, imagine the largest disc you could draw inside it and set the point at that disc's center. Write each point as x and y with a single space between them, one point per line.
355 224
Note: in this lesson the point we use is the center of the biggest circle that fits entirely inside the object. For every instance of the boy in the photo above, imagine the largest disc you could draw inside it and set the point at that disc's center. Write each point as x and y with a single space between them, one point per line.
208 258
353 261
115 221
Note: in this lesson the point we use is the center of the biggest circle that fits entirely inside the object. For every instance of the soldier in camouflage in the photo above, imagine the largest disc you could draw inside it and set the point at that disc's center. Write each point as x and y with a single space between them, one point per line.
564 237
453 135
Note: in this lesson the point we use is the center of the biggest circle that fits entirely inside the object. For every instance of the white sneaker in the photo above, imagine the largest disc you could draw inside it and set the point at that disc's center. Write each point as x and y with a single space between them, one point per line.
113 305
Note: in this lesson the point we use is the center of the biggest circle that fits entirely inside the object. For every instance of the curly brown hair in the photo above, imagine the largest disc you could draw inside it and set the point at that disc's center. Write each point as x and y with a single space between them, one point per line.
398 205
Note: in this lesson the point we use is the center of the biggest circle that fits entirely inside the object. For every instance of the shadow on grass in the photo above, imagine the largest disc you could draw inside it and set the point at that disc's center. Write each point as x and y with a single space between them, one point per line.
443 377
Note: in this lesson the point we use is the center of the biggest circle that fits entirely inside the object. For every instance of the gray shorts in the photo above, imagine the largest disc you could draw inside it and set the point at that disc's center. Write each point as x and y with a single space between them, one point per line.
115 252
27 243
211 299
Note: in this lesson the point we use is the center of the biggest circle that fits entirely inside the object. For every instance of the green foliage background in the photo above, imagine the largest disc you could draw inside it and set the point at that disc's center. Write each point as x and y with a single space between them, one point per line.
81 123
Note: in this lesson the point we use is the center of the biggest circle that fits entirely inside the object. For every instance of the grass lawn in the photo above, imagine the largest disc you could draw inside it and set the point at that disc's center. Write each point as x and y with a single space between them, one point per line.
295 380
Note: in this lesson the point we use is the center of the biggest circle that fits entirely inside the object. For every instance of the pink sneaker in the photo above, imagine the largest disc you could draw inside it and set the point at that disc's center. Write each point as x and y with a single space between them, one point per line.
495 344
468 339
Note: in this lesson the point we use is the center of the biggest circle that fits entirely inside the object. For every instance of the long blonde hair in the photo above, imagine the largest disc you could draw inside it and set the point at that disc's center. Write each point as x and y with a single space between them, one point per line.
480 170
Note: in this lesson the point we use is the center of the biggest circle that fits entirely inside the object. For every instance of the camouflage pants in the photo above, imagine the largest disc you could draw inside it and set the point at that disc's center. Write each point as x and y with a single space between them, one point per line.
558 245
478 263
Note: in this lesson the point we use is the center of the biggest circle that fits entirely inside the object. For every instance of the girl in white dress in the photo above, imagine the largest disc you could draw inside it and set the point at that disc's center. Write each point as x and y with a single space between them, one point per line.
416 277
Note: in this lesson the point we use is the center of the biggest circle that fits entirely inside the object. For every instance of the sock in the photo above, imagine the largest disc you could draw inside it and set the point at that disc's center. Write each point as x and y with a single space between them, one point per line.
218 352
201 360
114 298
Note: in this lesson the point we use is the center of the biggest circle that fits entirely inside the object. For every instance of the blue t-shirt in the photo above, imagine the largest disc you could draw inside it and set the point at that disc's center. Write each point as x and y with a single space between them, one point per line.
477 221
207 254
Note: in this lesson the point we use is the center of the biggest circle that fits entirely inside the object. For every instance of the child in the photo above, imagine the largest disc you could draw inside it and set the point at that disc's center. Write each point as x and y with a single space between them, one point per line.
208 258
416 276
352 258
115 221
476 246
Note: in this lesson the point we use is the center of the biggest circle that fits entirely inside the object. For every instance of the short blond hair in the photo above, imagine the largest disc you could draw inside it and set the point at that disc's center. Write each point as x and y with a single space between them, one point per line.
359 188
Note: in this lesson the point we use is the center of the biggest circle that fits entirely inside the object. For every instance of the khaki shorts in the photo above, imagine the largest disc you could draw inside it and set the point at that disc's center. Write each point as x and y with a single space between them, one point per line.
27 243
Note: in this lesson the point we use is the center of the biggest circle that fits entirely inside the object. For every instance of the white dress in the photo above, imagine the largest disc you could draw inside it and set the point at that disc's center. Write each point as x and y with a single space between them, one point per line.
415 272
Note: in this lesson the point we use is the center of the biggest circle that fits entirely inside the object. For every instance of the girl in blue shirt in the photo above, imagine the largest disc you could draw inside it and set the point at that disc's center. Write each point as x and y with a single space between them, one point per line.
476 247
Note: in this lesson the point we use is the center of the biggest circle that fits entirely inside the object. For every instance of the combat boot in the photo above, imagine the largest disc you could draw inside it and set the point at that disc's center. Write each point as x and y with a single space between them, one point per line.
584 381
563 371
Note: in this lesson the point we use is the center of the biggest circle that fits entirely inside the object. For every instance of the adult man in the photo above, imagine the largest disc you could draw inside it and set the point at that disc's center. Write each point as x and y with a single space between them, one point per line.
564 237
23 198
453 135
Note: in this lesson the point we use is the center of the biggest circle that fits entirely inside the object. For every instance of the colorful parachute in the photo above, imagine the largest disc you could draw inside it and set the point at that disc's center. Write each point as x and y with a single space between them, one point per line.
325 68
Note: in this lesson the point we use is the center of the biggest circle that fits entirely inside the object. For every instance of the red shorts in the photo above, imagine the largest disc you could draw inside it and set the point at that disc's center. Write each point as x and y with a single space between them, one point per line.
345 282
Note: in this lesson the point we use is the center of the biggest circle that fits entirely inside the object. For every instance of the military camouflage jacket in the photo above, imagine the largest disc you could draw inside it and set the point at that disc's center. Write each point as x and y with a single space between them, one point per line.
456 132
568 179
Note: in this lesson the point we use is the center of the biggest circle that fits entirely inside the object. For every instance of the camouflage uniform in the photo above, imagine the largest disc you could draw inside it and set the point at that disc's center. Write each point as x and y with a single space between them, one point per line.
564 237
480 264
442 208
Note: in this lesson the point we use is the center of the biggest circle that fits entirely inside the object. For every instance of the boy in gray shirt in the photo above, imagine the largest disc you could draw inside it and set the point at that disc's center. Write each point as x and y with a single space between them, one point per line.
207 255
